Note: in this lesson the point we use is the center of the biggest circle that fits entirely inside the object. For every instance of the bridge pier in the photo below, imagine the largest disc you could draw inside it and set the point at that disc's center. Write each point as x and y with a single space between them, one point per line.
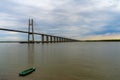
66 40
60 39
47 39
69 40
63 39
42 38
54 39
51 40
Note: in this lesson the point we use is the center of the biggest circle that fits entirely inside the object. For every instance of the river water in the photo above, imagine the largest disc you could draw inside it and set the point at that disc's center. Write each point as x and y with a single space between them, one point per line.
61 61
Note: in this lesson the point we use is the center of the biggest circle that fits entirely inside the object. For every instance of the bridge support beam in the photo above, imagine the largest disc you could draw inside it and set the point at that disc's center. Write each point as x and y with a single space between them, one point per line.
54 39
63 39
60 39
42 38
66 40
51 40
47 39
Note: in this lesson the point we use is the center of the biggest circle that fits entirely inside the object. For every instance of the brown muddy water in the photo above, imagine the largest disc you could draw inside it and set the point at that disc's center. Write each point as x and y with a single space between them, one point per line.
61 61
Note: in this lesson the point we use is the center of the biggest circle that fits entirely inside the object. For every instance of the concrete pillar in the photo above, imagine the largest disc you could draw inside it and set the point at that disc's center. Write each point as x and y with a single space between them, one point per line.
63 39
42 38
66 40
47 39
54 39
57 39
60 39
51 39
69 40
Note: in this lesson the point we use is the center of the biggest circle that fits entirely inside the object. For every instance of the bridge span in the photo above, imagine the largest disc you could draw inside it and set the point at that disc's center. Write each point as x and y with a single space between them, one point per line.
45 38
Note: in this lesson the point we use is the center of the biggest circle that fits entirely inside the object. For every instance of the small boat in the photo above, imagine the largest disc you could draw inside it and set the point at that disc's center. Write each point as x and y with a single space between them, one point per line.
26 72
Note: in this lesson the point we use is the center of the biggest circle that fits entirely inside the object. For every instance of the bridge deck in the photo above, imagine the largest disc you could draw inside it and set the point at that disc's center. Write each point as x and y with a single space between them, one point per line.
34 33
23 31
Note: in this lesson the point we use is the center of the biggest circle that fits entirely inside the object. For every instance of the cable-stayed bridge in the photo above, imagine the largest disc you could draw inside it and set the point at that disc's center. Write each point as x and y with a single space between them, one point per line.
45 38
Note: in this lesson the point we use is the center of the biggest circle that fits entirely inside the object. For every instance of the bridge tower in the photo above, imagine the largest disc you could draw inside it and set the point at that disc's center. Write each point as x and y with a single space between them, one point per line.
30 31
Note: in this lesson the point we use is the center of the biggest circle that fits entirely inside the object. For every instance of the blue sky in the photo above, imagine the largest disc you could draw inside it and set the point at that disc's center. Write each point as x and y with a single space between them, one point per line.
78 19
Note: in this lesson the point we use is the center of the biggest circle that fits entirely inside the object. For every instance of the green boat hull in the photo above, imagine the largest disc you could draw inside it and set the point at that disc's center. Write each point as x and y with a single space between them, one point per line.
26 72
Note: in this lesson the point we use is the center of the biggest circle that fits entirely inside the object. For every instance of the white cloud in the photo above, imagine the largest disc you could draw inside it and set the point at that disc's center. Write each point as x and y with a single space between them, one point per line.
10 21
69 17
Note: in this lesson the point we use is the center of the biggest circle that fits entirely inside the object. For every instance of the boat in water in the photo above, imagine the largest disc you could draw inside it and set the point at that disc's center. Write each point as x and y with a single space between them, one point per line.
27 71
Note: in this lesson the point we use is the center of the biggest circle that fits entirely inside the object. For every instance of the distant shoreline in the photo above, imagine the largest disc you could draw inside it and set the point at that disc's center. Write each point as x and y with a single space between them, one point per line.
101 41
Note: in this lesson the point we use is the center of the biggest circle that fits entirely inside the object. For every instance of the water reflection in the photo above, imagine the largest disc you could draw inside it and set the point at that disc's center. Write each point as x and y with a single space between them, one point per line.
68 61
45 53
31 53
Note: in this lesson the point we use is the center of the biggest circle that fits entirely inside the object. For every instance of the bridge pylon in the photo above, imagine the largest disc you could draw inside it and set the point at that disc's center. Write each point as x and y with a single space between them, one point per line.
30 31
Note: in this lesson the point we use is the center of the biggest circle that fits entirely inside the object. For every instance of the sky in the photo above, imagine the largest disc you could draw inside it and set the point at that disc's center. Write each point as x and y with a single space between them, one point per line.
77 19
